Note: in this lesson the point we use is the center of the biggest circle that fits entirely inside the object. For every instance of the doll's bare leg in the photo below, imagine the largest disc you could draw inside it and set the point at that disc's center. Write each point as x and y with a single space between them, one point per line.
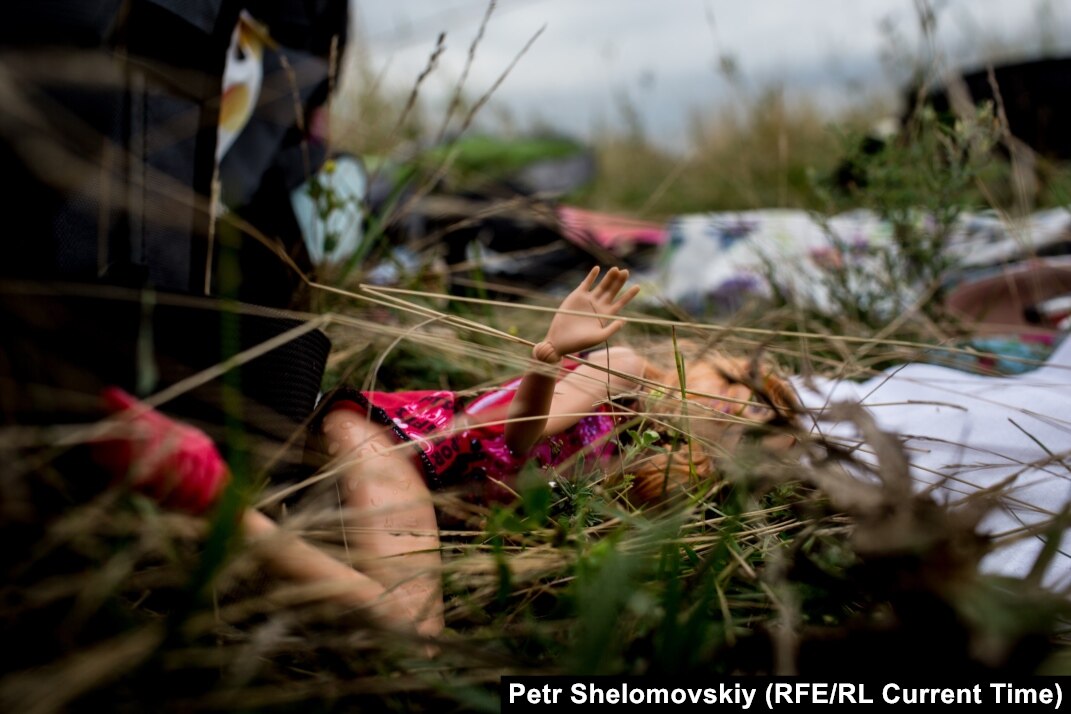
396 534
289 556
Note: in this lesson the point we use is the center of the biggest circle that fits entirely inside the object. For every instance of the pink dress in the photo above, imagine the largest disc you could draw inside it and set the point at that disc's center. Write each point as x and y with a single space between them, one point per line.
476 457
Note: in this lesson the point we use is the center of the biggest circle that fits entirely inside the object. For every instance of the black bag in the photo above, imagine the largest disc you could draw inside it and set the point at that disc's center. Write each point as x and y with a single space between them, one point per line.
109 143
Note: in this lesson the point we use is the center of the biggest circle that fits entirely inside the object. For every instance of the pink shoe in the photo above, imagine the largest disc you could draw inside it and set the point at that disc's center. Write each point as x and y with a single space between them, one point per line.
174 463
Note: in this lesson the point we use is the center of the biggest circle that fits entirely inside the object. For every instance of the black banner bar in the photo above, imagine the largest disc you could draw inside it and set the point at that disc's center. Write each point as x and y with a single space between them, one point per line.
765 694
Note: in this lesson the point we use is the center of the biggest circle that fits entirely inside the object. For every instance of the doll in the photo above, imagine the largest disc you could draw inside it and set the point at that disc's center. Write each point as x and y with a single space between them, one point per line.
398 445
561 408
392 449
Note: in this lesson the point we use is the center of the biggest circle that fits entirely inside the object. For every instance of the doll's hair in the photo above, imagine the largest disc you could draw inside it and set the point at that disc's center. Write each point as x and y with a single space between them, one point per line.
725 397
658 475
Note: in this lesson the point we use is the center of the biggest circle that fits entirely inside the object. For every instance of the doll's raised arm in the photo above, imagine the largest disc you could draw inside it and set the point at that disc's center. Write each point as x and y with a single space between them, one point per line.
568 333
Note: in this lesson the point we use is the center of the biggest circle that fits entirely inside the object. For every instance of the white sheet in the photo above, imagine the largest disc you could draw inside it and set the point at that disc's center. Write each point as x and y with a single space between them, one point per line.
959 425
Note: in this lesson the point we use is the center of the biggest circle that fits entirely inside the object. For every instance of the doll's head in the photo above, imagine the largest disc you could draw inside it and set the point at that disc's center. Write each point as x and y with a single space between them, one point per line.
725 398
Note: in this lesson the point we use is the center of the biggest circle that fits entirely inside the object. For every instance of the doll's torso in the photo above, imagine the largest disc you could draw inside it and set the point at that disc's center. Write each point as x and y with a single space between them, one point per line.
462 443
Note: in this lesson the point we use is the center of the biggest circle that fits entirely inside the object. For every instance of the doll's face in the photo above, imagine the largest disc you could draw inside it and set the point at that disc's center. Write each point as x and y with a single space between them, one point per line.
720 408
721 404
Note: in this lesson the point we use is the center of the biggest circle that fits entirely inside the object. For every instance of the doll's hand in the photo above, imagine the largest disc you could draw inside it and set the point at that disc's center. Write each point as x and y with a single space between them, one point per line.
575 333
174 463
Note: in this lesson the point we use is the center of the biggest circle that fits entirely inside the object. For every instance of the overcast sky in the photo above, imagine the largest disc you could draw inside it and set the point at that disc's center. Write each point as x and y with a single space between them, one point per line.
663 54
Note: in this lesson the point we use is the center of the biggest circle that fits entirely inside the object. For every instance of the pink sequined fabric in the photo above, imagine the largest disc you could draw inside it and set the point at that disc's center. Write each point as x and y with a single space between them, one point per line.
477 457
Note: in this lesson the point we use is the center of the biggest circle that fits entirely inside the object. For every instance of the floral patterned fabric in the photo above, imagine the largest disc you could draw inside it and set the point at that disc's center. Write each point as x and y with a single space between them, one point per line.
715 262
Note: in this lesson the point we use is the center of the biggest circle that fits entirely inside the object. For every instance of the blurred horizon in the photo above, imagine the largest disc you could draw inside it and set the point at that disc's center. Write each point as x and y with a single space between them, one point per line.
661 68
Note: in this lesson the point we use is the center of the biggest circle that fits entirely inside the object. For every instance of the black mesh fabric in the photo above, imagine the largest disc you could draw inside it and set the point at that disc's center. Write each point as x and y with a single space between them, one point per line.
60 347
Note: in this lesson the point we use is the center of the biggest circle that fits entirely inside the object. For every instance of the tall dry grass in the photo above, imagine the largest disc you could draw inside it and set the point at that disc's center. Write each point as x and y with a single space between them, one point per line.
780 563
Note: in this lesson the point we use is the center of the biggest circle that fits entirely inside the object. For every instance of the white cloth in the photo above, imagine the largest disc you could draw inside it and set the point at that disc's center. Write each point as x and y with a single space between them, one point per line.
958 425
